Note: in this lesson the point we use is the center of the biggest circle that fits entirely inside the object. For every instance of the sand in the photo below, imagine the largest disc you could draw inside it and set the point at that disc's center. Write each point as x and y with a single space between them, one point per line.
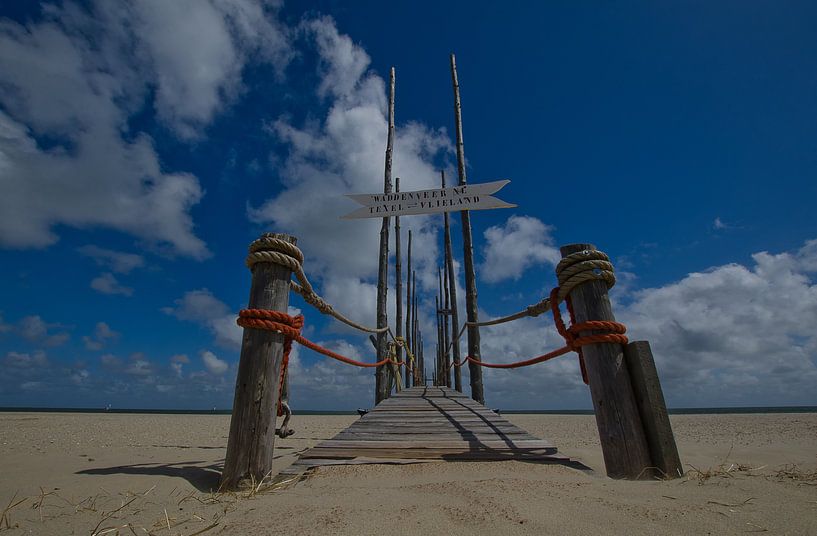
152 474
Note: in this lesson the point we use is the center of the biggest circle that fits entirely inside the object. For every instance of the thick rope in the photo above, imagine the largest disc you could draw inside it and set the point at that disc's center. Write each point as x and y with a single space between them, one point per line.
274 250
572 271
290 327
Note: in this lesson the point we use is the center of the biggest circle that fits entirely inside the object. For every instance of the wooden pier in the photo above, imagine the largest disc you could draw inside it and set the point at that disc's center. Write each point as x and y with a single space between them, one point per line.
425 424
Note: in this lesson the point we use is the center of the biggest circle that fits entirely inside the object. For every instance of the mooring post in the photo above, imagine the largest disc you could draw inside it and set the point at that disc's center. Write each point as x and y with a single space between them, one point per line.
650 400
398 288
623 443
252 426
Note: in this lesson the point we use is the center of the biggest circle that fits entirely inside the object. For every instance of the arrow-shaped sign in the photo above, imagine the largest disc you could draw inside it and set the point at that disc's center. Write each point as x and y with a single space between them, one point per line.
454 198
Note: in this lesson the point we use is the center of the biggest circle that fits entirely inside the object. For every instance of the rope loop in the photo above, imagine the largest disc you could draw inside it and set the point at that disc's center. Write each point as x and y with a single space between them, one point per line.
270 249
290 327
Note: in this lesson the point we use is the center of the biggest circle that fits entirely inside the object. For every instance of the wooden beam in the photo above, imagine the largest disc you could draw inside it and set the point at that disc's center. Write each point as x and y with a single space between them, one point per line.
252 425
623 444
468 253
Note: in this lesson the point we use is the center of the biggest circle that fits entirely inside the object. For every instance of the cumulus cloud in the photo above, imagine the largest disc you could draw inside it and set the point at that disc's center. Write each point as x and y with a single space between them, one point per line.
201 307
729 335
733 332
139 366
19 360
521 243
116 261
102 335
71 82
36 330
344 153
213 364
108 284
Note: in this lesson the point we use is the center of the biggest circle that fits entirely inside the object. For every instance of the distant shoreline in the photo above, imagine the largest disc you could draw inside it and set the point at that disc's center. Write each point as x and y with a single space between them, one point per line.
672 411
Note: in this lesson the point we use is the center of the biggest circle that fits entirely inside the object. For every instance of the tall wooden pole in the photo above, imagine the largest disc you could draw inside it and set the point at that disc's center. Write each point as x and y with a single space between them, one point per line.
452 297
438 368
383 383
409 334
252 425
468 254
623 442
446 339
416 320
398 286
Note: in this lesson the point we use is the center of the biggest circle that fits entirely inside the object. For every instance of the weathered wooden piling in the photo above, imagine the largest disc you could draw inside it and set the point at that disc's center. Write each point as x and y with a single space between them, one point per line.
409 335
653 410
451 296
623 443
398 286
383 381
471 308
252 425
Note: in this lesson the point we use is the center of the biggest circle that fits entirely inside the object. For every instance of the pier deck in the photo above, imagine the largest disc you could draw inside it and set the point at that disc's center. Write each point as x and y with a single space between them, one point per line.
424 424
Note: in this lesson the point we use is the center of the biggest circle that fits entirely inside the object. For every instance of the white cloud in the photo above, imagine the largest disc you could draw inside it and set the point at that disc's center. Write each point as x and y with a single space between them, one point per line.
201 307
523 242
213 364
34 329
139 366
76 77
341 154
37 359
198 50
735 333
116 261
730 335
107 283
177 363
102 334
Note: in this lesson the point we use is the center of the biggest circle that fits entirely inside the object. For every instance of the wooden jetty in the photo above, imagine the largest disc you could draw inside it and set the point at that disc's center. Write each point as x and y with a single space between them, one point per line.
425 424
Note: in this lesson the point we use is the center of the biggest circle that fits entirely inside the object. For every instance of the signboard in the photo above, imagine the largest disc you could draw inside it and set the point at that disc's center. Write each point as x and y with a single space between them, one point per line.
455 198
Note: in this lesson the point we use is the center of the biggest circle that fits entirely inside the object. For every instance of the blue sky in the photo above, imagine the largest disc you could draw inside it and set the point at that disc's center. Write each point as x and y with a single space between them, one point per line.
144 145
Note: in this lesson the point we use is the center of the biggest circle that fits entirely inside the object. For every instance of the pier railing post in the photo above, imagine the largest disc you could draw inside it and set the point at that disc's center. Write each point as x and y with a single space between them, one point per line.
623 442
252 426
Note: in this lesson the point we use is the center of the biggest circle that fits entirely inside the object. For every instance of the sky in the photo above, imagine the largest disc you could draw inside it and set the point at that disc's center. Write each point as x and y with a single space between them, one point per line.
144 145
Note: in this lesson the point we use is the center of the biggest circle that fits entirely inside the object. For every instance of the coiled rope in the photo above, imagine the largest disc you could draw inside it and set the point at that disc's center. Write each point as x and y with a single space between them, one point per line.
268 248
572 271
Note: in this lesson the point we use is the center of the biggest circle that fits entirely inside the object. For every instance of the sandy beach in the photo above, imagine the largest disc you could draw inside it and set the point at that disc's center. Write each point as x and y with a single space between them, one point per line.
114 474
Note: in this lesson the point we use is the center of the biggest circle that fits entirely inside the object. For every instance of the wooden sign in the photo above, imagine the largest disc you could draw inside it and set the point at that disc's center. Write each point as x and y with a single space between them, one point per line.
453 199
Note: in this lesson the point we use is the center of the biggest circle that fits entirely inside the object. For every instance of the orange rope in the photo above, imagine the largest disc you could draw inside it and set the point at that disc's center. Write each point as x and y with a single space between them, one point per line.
573 341
290 327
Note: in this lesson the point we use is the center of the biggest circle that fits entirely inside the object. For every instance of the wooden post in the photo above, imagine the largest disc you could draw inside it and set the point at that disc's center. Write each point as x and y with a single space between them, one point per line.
468 253
252 425
383 381
653 409
416 327
626 454
438 366
446 338
451 296
398 288
409 335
